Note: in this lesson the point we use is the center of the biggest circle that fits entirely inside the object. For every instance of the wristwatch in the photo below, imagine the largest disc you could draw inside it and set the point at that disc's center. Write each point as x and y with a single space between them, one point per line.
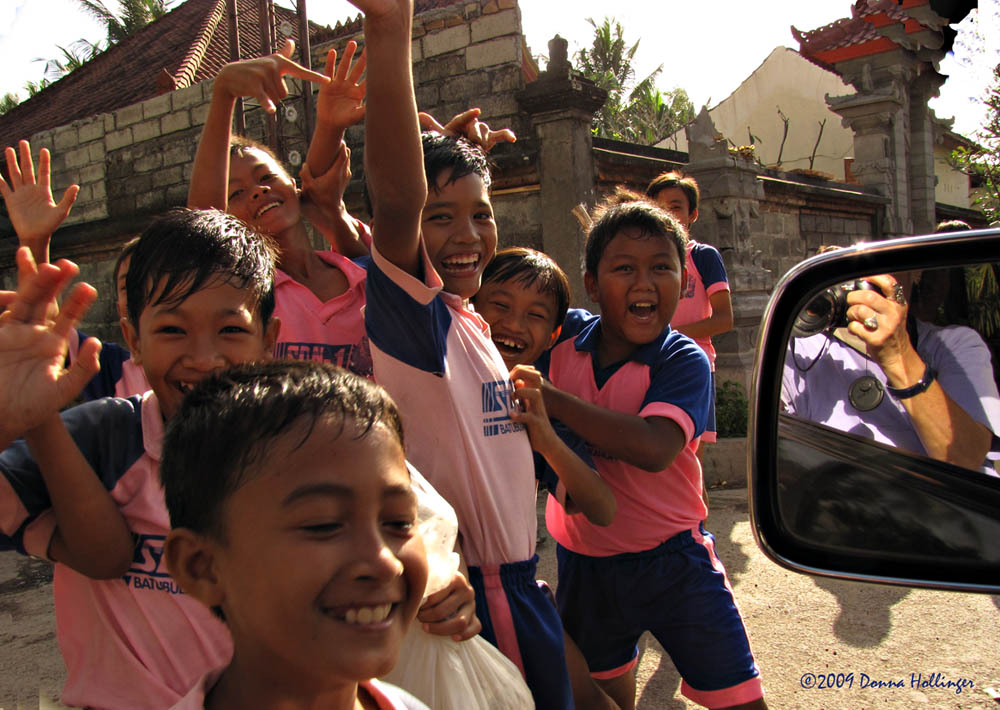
902 393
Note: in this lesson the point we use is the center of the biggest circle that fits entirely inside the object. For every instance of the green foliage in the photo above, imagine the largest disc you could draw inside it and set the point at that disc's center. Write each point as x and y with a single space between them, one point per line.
33 87
133 16
73 57
731 410
983 292
982 161
8 102
637 112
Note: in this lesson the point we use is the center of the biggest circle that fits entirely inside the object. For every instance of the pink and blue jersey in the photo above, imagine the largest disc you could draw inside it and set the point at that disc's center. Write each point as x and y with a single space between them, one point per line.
669 377
706 275
434 355
136 642
333 331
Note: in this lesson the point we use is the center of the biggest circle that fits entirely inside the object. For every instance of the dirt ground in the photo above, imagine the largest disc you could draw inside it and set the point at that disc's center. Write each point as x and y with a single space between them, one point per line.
802 629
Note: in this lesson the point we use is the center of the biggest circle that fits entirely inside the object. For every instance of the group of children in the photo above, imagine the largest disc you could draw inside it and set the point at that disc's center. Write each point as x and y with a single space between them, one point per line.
244 534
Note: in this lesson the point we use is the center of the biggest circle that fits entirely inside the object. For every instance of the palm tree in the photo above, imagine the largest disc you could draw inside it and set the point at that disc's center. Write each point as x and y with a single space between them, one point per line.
635 111
134 15
75 56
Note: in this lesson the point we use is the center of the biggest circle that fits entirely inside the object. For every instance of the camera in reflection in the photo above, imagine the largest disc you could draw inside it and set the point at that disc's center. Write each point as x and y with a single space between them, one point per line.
828 310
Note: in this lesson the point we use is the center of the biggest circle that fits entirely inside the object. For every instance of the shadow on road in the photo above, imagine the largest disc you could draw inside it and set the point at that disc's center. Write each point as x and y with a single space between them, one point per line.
864 620
662 688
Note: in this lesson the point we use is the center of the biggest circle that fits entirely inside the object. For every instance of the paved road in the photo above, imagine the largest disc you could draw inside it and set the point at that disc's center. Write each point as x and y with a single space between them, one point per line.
798 625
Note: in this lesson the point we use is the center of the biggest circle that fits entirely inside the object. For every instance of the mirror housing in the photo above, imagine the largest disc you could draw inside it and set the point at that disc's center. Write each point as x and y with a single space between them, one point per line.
843 506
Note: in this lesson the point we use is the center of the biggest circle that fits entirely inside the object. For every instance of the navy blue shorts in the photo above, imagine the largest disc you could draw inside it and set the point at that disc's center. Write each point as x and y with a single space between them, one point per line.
679 592
520 620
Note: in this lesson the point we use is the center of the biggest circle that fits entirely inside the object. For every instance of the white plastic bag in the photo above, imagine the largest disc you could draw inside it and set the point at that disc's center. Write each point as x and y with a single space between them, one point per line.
445 674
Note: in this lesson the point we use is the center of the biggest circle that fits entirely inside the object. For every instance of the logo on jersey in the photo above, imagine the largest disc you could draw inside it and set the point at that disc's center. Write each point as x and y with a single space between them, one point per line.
148 570
354 357
497 405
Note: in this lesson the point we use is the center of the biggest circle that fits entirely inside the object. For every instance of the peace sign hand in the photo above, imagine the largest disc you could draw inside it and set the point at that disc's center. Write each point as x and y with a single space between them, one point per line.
263 78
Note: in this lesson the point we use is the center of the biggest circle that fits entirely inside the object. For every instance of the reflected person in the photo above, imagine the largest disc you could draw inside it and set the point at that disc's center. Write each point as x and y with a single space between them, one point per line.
898 380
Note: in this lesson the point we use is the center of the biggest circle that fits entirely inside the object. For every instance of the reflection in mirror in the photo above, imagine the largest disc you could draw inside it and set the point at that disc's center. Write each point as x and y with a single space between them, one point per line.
907 360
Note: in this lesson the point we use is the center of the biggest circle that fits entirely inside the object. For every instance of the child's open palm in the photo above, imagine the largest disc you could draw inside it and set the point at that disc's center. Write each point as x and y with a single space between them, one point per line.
33 211
33 348
340 103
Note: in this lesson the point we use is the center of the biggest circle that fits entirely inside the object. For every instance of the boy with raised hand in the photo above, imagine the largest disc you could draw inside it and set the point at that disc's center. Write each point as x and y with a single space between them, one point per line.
638 392
434 356
83 488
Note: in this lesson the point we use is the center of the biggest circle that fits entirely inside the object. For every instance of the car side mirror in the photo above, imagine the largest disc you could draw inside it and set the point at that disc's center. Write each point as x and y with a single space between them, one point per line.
850 479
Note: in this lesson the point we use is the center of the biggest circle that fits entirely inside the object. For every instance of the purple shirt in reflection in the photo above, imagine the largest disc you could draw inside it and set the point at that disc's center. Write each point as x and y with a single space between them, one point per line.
820 369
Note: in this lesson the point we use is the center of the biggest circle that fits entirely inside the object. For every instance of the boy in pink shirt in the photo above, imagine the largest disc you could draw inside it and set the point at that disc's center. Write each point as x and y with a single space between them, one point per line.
637 392
433 354
294 520
82 489
705 308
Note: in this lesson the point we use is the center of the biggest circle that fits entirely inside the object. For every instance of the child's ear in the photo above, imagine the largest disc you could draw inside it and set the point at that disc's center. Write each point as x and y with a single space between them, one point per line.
190 559
692 216
590 285
555 336
271 331
131 336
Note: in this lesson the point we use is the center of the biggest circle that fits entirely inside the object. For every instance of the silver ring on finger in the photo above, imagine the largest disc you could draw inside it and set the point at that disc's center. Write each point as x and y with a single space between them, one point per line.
870 323
899 294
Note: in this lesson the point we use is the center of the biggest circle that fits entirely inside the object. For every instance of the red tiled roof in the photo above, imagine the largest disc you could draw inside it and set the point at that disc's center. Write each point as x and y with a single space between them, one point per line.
187 45
863 34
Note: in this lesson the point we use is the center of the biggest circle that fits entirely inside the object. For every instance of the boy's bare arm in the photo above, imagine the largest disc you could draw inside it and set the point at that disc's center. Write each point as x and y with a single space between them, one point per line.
33 211
260 78
720 321
91 536
33 348
589 491
393 150
650 443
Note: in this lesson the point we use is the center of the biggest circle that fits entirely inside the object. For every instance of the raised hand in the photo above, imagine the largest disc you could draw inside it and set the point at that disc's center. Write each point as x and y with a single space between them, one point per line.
33 211
340 103
263 78
33 348
467 125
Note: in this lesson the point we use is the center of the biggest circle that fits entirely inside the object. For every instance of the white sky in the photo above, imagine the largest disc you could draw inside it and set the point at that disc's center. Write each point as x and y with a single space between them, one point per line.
707 47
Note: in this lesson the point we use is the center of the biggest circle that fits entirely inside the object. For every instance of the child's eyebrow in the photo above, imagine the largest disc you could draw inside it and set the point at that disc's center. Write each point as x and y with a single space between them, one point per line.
442 203
334 490
318 490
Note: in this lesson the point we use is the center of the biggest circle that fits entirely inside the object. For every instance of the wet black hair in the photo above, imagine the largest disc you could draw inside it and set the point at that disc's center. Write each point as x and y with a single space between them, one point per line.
529 267
185 251
228 422
626 209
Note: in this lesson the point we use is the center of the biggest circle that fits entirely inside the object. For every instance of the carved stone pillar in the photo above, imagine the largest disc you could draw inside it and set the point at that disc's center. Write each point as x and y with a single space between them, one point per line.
562 105
728 214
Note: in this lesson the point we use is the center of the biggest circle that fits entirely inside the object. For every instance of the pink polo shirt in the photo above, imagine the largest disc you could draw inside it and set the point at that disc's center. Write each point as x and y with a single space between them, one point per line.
434 355
333 331
137 642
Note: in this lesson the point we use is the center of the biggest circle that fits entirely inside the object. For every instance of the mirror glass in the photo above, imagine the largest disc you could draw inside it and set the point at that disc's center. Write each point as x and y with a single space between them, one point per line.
908 360
889 421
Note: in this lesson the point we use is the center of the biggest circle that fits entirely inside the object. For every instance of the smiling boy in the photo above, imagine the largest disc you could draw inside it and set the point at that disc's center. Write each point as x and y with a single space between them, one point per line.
293 518
637 391
433 232
83 488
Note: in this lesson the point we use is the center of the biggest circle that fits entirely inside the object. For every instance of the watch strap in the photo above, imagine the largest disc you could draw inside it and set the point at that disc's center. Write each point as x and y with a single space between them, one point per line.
903 393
